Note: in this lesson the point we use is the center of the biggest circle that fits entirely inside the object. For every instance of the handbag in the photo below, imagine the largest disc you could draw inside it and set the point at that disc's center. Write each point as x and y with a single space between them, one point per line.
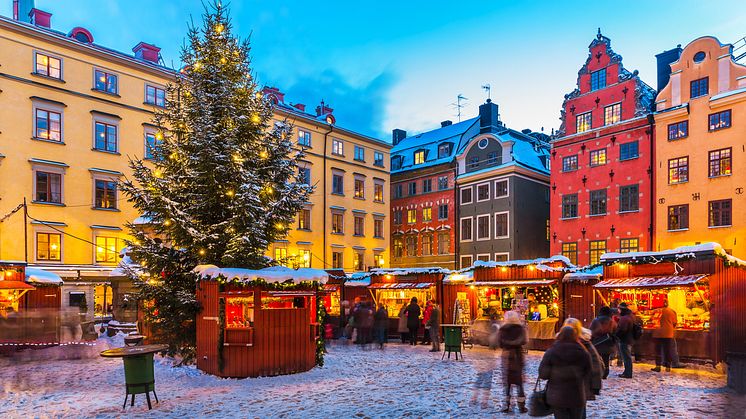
537 402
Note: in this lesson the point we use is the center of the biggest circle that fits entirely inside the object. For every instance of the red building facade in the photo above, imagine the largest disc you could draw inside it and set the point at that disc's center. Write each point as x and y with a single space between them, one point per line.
601 181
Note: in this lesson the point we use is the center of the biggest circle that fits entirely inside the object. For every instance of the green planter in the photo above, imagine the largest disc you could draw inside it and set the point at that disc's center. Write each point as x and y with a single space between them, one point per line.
138 374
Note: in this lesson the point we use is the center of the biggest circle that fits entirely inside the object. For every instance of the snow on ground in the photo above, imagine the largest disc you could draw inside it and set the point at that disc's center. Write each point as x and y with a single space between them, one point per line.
400 381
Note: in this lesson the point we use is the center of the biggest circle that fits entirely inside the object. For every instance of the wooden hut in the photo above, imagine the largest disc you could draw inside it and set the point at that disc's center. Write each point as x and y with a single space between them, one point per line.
703 284
258 322
578 295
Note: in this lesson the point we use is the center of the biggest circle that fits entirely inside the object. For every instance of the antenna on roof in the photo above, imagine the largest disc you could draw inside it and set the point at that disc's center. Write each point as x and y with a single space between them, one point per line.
458 105
487 88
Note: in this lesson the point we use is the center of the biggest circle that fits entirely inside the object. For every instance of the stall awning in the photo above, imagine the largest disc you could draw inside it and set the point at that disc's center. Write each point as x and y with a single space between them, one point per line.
650 282
15 285
516 283
40 276
402 285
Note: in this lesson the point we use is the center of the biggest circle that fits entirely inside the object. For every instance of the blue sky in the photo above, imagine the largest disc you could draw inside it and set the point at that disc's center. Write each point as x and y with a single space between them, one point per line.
400 64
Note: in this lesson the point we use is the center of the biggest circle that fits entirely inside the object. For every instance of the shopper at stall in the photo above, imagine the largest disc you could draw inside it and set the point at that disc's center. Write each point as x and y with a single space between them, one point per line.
566 366
433 324
603 330
663 338
380 323
425 320
511 339
413 320
595 379
402 327
625 335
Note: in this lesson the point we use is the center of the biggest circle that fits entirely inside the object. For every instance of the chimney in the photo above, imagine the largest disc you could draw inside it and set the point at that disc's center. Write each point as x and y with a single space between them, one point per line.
323 109
665 59
397 135
488 118
273 94
22 10
147 52
40 18
299 106
446 123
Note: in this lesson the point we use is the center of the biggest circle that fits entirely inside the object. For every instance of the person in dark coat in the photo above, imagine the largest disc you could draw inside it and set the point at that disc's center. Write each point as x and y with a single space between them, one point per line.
595 380
626 338
433 324
380 323
413 320
511 337
603 330
566 365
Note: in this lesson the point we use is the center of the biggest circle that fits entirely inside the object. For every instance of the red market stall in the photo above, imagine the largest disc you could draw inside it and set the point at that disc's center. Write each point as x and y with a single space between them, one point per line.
704 285
258 322
579 298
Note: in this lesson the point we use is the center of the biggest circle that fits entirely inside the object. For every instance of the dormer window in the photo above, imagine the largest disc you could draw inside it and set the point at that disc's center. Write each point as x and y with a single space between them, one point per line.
598 79
419 157
396 162
444 150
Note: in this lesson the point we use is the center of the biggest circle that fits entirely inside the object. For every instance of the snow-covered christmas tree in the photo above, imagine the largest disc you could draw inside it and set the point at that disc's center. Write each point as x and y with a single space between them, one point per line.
222 185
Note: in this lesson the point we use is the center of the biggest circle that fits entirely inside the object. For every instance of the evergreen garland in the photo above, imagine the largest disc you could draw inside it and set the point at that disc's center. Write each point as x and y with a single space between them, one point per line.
221 333
320 312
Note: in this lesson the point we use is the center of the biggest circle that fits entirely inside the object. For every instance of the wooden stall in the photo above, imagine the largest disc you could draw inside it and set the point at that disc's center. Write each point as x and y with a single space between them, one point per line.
331 295
258 322
578 295
704 285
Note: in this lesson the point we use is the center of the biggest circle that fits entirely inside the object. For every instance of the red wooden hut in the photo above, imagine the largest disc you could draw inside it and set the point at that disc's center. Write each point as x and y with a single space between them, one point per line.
703 284
258 322
578 295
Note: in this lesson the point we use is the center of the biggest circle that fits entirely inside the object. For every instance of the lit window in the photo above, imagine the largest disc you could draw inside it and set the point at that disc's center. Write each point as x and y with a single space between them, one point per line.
358 261
155 96
411 216
678 170
598 157
359 188
106 249
427 214
444 243
411 245
719 213
598 79
628 245
570 163
106 194
570 251
106 137
105 82
612 114
48 66
678 130
304 219
583 122
597 248
281 254
337 259
48 246
378 191
678 217
720 162
427 244
398 248
419 157
337 223
338 147
48 125
304 256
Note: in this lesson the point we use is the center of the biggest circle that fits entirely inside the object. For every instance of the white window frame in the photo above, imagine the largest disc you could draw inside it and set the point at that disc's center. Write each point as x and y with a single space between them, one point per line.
497 254
479 255
508 229
460 229
489 227
489 191
507 194
461 195
461 261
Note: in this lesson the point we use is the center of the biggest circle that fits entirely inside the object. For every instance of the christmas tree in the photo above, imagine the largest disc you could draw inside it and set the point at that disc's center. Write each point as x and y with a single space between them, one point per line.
223 182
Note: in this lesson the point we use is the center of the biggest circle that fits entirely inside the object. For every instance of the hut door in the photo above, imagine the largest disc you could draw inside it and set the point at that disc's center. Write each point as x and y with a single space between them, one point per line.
579 303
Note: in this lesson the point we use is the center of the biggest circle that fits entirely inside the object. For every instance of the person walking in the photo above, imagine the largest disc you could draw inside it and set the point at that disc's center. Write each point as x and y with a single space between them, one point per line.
663 338
380 323
595 379
402 326
511 338
425 322
625 336
433 324
413 320
566 365
603 328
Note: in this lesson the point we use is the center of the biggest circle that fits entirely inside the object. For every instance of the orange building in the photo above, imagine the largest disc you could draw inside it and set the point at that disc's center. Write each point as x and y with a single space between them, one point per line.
700 150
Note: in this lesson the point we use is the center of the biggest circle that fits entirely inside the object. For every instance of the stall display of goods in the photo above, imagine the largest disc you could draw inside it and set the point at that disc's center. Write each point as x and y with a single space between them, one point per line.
393 300
332 303
536 304
690 304
239 311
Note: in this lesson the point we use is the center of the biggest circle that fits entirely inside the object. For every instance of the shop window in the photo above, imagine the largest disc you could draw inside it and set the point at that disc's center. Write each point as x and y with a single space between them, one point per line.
612 114
598 157
483 192
597 248
338 147
359 226
106 82
358 261
359 153
427 244
628 245
501 225
699 87
598 79
49 246
466 229
678 130
338 223
239 311
720 120
337 260
338 184
283 300
678 170
378 228
628 151
598 202
419 157
105 196
678 217
427 214
398 248
106 249
304 219
444 243
48 187
720 162
412 188
466 196
427 185
155 96
501 188
583 122
397 217
442 183
570 206
720 213
570 163
483 227
393 300
359 188
443 212
411 245
378 191
570 251
106 137
629 198
76 298
377 159
690 304
48 66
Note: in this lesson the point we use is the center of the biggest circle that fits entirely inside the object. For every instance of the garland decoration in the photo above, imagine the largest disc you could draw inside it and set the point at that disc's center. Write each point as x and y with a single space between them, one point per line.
320 314
221 333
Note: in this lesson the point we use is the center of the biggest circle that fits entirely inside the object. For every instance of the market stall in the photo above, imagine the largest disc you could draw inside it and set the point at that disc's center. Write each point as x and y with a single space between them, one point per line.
258 322
705 286
579 298
331 298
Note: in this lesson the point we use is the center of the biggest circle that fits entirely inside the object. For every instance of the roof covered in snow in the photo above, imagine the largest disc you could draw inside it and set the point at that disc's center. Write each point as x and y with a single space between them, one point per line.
40 276
457 134
540 263
271 274
358 279
585 274
683 252
527 152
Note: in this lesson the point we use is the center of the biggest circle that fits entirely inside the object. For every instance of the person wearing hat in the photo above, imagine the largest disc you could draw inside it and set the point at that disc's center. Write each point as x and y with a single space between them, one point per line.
625 336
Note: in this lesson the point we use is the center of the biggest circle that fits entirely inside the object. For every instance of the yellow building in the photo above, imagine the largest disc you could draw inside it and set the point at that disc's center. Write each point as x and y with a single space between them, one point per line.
345 224
700 139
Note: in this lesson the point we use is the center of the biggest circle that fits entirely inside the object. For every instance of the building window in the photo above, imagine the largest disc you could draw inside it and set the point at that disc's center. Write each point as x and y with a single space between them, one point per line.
570 163
151 142
493 158
466 229
155 96
48 66
337 184
443 211
628 245
629 150
338 147
377 159
678 130
412 188
570 251
444 243
304 138
397 217
597 248
105 194
483 192
106 249
598 157
427 185
359 188
48 125
411 245
442 183
411 216
75 298
699 87
501 188
359 153
444 150
629 198
678 170
358 259
427 244
105 82
304 258
483 227
612 114
396 162
466 261
598 79
720 213
427 214
570 206
338 223
378 191
583 122
398 191
398 248
466 197
598 202
546 236
106 137
304 219
678 217
359 226
378 228
337 260
484 257
48 187
473 162
720 120
720 162
48 246
501 225
419 157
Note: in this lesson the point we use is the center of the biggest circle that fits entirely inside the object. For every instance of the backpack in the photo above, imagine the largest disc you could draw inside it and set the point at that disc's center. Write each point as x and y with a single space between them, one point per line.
636 331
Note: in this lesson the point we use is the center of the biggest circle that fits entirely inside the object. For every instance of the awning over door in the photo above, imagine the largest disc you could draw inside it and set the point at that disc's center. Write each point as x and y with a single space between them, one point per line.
651 282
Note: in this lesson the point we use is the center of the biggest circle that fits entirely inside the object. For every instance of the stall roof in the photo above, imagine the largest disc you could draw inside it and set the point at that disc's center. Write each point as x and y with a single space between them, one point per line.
358 279
409 271
35 275
540 263
684 252
516 283
402 285
272 274
585 275
650 282
15 285
459 277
